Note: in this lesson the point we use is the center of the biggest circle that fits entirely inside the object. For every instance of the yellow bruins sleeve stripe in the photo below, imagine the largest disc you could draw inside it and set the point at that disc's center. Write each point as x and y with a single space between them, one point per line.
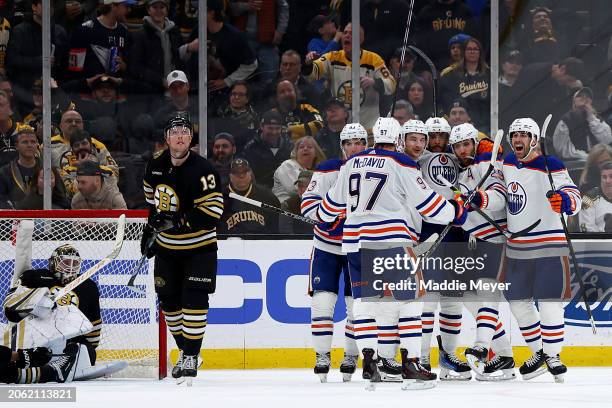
146 184
211 213
208 196
184 236
218 202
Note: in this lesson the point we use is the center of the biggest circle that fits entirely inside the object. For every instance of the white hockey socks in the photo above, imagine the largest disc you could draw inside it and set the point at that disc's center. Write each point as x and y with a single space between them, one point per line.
387 317
528 319
322 320
450 322
350 345
364 324
553 326
428 316
410 328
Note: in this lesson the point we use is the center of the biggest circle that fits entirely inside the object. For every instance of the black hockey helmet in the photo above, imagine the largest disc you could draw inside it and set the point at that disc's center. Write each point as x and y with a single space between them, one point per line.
178 121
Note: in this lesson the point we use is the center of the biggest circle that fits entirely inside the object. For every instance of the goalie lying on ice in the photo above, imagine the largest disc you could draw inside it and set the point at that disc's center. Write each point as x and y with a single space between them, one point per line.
70 327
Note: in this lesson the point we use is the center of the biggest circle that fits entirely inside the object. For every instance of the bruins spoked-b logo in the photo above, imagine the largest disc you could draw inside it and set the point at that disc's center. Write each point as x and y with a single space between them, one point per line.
442 165
345 94
166 199
517 198
68 299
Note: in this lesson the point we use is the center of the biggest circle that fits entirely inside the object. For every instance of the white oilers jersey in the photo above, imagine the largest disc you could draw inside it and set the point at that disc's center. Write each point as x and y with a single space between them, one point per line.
469 177
375 189
596 210
525 201
324 177
434 164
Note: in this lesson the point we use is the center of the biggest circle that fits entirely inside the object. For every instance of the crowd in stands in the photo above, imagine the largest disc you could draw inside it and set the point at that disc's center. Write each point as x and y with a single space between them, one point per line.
279 89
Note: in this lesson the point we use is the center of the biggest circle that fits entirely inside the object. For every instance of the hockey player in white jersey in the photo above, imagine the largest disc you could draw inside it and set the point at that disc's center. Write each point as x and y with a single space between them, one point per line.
485 242
328 263
536 265
373 191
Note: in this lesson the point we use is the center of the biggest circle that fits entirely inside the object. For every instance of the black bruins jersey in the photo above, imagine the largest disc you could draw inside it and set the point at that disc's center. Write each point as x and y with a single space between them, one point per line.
86 297
192 189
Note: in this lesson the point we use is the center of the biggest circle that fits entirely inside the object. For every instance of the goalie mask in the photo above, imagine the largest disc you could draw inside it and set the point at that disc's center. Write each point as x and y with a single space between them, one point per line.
65 263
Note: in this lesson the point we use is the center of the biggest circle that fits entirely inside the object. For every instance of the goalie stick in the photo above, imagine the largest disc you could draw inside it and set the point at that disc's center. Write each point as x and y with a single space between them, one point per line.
564 225
91 271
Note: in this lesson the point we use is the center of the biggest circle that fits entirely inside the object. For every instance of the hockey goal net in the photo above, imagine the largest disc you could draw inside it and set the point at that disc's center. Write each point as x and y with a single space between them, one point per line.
131 329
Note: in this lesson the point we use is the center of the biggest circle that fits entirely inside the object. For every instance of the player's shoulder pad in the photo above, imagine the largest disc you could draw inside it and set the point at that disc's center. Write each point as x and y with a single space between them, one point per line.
511 159
483 157
329 165
202 163
37 278
400 158
554 163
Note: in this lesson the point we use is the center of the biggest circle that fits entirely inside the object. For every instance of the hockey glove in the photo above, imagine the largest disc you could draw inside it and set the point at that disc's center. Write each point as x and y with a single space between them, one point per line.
479 198
461 213
486 146
560 201
166 220
34 357
147 242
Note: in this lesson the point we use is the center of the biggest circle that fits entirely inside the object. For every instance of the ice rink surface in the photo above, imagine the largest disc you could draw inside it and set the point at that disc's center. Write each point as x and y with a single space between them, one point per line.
583 387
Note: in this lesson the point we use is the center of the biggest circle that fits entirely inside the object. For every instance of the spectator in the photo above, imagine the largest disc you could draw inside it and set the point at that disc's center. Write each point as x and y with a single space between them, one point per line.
545 88
290 70
306 154
265 23
94 193
334 66
227 44
268 149
541 43
180 104
100 45
596 212
154 51
7 125
406 74
580 128
403 111
238 116
293 205
455 50
35 115
470 81
24 55
72 13
5 33
241 218
300 119
459 114
223 151
7 87
71 121
18 177
82 148
437 23
589 178
421 103
385 23
511 65
328 138
326 37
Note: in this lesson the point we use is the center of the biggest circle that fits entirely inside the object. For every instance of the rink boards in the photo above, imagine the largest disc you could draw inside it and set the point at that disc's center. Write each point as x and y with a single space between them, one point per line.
260 316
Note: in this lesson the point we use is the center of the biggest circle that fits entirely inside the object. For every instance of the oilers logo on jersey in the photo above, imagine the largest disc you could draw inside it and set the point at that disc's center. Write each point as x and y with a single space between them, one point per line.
517 198
165 198
441 165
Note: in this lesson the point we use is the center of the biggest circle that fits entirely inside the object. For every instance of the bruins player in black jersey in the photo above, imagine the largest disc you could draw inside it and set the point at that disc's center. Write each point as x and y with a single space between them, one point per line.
25 300
183 191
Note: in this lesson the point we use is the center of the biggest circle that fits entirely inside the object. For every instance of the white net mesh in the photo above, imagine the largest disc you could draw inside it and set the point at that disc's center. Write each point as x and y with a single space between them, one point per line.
130 320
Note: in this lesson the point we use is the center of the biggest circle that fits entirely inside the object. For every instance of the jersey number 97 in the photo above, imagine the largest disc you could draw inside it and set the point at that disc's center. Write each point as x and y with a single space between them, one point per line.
376 180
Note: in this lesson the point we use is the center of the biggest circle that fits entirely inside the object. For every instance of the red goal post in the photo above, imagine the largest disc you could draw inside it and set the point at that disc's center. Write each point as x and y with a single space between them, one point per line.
133 327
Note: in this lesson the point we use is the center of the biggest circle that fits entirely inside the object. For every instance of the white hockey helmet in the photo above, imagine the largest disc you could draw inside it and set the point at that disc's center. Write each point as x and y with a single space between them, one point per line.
386 130
353 131
437 125
524 125
465 131
414 126
65 263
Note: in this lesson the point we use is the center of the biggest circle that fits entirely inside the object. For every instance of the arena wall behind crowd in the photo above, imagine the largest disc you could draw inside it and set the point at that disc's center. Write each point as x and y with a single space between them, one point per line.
121 84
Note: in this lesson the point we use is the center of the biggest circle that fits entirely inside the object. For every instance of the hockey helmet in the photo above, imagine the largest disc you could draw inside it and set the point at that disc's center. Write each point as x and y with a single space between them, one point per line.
413 126
465 131
387 130
65 263
353 131
437 125
178 121
524 125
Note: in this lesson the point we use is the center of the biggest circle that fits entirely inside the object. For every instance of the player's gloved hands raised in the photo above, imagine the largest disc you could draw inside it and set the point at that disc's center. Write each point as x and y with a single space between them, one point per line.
560 201
461 213
34 357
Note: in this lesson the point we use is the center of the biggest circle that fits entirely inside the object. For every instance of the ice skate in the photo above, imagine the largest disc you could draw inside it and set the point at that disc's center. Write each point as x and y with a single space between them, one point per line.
476 358
500 368
414 375
533 367
451 368
348 367
64 366
370 369
177 370
425 362
190 369
556 367
390 370
322 366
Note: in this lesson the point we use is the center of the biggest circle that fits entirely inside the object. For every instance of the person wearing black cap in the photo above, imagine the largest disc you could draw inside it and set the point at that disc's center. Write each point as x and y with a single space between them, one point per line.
94 193
223 151
580 129
241 218
18 177
326 35
268 149
328 138
185 200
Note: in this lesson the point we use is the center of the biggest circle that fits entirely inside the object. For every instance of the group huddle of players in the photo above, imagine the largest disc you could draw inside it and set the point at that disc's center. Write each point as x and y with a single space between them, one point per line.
386 199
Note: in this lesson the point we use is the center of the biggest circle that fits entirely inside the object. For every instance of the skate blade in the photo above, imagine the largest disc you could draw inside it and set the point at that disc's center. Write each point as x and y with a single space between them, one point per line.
535 374
180 380
189 382
370 385
390 378
322 377
506 375
413 385
346 377
475 364
447 375
559 378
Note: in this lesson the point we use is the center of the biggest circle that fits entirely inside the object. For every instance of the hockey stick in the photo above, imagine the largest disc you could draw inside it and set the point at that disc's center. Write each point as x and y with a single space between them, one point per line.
404 45
496 143
486 217
434 75
91 271
272 208
564 225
